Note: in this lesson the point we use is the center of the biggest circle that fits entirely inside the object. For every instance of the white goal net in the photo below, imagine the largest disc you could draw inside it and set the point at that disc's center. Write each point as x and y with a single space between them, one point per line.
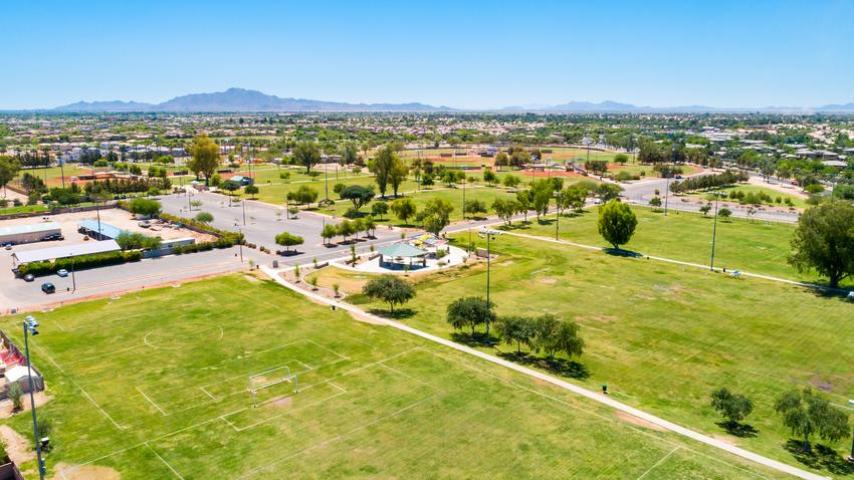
271 382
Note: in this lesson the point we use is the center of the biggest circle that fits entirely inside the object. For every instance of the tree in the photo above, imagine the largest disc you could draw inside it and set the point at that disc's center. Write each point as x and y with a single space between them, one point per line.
369 226
9 168
541 194
329 232
358 194
288 240
617 223
384 166
489 177
404 209
471 312
516 329
144 206
436 215
474 207
655 202
573 197
345 229
502 160
733 407
523 199
565 339
390 290
608 191
705 209
824 241
599 167
204 154
723 212
350 154
379 209
251 190
621 158
511 181
303 195
306 154
204 217
806 414
397 174
505 208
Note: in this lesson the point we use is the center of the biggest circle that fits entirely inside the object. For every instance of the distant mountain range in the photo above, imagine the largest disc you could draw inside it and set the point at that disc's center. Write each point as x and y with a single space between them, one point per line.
241 100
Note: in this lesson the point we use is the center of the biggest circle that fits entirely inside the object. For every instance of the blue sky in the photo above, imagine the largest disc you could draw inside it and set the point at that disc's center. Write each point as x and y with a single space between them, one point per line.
459 53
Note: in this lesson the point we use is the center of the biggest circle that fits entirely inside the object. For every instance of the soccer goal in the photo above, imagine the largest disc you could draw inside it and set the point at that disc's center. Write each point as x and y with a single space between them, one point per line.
269 379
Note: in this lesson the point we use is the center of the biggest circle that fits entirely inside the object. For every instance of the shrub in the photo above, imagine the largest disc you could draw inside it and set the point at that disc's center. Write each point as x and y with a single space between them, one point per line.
79 263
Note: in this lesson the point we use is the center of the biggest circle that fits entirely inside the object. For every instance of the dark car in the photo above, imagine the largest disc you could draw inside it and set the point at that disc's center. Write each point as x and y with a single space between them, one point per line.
48 287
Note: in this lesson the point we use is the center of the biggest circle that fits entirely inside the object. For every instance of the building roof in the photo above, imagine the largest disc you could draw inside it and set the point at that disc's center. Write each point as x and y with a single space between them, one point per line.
29 228
66 251
401 250
107 230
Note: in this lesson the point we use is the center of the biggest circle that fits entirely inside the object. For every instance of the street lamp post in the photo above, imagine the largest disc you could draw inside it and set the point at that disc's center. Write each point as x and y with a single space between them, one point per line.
714 233
243 203
666 193
31 328
73 276
488 233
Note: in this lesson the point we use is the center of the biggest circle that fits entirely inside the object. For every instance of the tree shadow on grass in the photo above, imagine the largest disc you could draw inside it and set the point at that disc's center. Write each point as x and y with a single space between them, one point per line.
515 226
741 430
560 366
476 339
620 252
820 457
398 314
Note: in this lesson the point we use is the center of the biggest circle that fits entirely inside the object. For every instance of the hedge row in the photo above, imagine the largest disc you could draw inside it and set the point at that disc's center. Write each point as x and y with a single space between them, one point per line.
233 238
222 242
79 263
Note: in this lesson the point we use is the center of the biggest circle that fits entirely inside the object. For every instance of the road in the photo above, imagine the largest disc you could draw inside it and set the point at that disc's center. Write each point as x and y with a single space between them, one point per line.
641 192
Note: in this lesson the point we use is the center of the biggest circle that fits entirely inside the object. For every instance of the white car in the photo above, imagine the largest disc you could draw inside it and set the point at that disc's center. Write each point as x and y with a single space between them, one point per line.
62 272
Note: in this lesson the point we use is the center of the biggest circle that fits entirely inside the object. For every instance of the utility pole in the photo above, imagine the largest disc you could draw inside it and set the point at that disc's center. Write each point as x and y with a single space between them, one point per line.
666 193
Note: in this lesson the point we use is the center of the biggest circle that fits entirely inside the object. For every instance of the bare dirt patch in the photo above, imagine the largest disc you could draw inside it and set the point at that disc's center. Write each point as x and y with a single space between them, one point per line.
87 472
17 447
638 421
547 280
726 439
6 405
282 402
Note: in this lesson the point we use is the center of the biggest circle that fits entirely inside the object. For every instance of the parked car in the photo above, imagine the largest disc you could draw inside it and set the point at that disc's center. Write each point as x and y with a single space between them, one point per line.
55 236
7 246
62 272
48 288
144 224
29 277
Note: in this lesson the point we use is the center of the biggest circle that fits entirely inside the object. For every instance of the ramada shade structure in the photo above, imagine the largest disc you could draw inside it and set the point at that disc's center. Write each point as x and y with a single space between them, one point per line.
400 253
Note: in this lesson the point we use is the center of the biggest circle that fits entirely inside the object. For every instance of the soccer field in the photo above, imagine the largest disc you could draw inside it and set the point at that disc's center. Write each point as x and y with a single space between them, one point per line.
156 385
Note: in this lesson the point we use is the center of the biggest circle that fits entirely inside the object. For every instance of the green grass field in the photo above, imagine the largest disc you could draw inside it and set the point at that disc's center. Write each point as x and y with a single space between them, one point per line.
155 392
749 245
662 336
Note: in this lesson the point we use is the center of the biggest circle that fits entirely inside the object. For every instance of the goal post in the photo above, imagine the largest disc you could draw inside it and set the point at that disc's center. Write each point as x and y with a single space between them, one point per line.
267 379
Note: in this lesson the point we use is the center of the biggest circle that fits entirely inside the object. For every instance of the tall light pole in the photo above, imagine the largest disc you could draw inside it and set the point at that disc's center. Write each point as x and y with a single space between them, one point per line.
714 232
31 328
666 193
488 233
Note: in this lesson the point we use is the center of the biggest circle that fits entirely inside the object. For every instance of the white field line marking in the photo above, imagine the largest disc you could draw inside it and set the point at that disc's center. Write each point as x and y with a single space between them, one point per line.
82 390
170 467
344 357
659 462
208 393
155 405
274 417
339 437
579 390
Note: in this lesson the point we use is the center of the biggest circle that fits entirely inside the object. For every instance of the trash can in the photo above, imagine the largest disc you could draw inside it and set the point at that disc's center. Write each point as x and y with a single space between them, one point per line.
275 264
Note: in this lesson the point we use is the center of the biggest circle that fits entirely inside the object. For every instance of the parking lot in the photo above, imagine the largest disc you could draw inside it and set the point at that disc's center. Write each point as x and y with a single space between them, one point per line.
263 221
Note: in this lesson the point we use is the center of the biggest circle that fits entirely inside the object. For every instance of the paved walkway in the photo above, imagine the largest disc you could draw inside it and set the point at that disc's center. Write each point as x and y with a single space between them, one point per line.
589 394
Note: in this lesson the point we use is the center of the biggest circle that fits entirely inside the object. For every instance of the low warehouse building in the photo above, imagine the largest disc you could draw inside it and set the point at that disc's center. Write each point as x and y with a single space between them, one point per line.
64 251
35 232
99 230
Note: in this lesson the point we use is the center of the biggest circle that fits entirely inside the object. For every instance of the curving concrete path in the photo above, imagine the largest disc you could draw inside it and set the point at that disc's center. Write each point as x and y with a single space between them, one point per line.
584 392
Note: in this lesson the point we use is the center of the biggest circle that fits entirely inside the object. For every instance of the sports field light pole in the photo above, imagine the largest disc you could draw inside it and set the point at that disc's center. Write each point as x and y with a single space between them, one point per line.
31 328
714 232
488 233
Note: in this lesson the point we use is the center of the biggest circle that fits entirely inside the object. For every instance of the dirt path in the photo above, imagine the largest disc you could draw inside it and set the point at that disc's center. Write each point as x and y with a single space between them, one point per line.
17 447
